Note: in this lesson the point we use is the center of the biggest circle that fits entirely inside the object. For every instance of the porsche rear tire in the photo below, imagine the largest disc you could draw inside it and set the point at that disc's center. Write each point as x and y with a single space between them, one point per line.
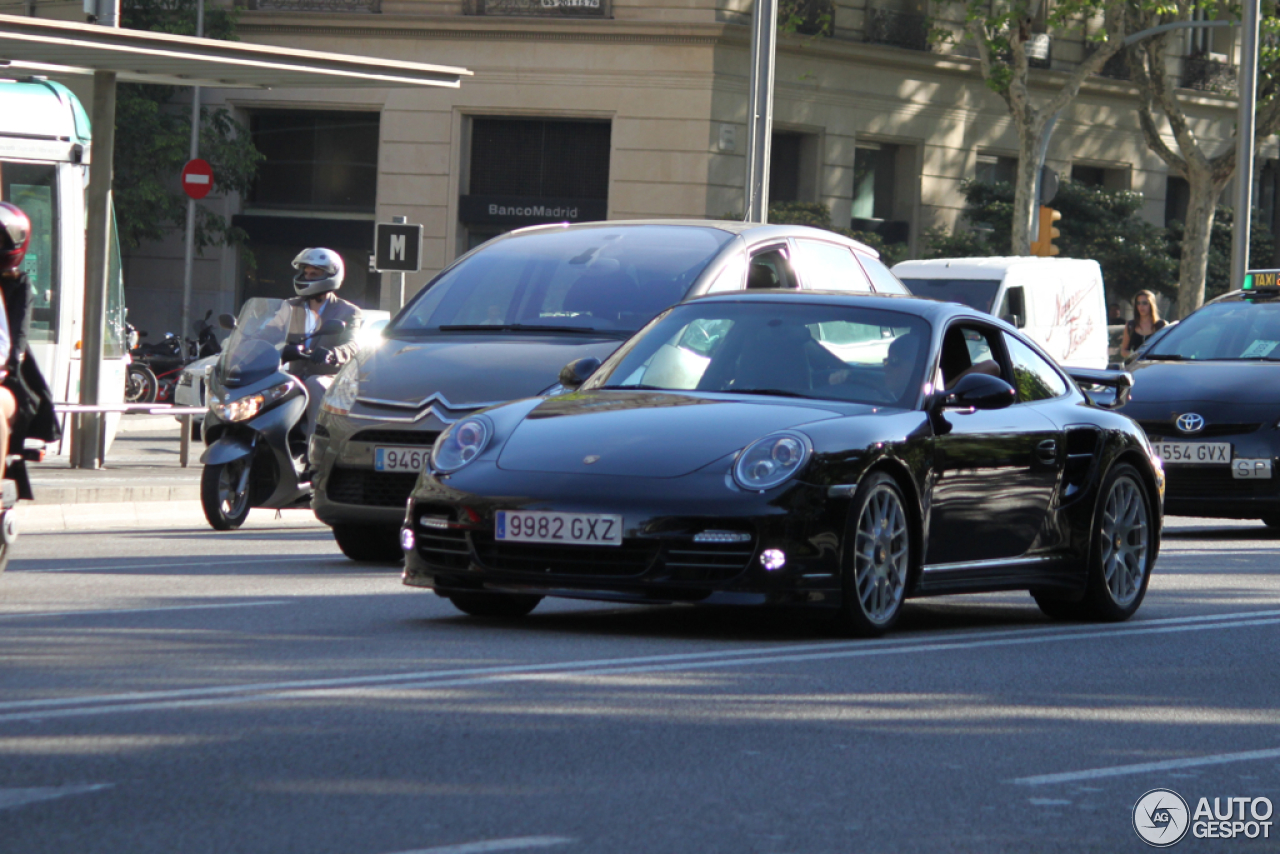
503 606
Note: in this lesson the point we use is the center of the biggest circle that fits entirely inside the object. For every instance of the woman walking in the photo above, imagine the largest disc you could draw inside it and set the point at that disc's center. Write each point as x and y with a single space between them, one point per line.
1146 322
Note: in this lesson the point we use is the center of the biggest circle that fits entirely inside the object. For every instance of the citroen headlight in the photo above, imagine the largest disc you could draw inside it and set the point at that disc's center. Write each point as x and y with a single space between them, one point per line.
461 444
245 408
341 396
771 461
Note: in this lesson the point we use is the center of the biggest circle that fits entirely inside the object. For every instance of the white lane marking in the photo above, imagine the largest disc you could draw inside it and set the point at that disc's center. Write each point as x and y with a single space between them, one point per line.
10 798
1143 767
368 686
862 647
93 612
181 562
515 844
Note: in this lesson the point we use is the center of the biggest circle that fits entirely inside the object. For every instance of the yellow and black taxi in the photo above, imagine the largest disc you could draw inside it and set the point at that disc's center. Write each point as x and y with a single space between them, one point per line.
1207 393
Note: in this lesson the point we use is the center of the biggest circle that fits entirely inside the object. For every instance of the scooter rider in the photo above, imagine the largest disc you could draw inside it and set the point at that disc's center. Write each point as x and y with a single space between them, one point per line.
320 274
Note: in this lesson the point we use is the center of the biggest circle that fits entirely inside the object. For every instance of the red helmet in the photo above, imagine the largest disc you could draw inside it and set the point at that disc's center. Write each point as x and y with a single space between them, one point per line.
15 236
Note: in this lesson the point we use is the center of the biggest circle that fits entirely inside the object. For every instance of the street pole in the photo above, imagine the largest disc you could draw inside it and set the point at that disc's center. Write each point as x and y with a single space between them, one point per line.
400 275
89 435
1244 143
764 43
188 258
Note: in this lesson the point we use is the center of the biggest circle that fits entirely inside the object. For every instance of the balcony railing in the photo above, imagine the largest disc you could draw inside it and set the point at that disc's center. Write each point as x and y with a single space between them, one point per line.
539 8
1208 75
899 29
313 5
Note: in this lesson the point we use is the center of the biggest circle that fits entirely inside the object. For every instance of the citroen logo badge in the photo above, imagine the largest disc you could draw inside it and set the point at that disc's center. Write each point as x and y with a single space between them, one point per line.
1190 422
593 458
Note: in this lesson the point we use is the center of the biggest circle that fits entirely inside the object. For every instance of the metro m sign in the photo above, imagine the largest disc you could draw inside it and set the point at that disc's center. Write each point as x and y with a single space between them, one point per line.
397 247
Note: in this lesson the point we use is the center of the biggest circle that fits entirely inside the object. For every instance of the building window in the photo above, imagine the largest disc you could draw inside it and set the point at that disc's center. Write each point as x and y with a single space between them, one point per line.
793 158
994 169
530 171
883 175
319 166
325 161
1106 177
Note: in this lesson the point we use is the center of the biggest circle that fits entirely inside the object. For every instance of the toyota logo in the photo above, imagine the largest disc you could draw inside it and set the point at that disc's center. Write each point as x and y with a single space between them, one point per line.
1190 422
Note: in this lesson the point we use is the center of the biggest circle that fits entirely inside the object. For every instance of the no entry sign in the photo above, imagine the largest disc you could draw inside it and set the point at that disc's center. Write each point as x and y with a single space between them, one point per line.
197 178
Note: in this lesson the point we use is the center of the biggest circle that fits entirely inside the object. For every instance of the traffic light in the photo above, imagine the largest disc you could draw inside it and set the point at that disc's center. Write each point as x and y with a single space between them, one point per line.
1047 232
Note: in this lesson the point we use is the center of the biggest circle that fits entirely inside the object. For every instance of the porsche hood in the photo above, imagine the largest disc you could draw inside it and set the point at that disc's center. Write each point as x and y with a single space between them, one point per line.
648 434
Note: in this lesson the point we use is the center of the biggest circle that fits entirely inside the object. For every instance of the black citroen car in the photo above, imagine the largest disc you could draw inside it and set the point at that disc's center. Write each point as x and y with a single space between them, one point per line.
500 322
1207 392
824 450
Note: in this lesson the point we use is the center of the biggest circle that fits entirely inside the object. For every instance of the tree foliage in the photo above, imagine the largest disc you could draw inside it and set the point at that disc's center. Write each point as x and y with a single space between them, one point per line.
1096 223
153 138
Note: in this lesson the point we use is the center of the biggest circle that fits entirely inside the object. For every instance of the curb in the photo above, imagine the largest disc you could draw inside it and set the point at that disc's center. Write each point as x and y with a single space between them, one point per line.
51 496
45 518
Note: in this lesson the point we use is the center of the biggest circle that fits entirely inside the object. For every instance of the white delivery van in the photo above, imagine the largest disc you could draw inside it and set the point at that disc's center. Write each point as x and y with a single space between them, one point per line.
1057 302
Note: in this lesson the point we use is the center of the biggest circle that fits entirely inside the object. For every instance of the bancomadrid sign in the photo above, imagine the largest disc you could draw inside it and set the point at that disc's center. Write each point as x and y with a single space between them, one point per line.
523 210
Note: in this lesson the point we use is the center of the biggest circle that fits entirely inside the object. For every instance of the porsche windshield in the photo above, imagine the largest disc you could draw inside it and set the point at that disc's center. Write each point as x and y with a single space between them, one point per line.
1225 331
828 352
607 279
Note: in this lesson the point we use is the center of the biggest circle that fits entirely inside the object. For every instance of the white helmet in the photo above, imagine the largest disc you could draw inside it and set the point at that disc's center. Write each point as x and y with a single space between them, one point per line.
325 259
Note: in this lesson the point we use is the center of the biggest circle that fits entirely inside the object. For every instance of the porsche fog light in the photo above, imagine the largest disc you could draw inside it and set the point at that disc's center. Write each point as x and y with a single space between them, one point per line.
771 461
461 444
341 396
406 539
773 559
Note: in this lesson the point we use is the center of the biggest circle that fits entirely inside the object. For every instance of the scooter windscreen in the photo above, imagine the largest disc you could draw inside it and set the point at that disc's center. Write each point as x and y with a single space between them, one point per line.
252 352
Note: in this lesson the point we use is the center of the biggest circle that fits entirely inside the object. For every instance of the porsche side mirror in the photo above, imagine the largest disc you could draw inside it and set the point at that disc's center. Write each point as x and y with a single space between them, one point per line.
980 391
574 374
226 321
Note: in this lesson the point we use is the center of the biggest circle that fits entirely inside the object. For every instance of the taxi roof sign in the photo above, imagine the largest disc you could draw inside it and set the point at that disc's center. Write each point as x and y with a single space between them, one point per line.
1261 280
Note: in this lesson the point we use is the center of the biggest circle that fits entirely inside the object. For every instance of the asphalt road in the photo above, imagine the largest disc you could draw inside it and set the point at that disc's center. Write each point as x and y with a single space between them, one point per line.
177 690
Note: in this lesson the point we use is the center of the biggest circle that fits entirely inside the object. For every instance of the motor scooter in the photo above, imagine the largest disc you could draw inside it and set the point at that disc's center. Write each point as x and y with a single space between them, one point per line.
255 428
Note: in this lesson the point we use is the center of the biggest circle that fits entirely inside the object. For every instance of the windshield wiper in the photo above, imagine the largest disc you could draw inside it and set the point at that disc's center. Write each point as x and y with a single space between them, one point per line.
1163 357
520 327
776 392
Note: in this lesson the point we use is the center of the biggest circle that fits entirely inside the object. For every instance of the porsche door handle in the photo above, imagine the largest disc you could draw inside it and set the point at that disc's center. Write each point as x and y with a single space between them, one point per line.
1047 451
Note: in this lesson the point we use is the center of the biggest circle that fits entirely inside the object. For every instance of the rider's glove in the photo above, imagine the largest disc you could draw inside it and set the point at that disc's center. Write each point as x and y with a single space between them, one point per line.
291 353
323 356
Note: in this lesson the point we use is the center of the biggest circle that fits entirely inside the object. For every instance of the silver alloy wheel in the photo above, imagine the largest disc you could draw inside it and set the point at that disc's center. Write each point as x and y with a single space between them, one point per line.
233 488
1125 536
880 555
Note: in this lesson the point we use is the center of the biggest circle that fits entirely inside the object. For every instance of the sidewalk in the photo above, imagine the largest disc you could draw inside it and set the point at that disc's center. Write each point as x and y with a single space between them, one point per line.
140 485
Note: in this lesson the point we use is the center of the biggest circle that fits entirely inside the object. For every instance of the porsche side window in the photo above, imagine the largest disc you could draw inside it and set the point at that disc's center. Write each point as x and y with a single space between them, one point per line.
965 350
1033 377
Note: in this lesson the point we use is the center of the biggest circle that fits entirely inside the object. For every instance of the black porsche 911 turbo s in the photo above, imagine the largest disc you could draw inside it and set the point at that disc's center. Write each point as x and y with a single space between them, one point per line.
1207 393
839 452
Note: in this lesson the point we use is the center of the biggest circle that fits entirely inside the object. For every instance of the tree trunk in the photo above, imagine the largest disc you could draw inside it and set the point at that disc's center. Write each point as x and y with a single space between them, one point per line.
1195 241
1025 203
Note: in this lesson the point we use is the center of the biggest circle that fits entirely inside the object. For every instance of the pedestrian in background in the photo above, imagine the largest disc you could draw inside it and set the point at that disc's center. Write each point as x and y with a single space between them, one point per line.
1146 322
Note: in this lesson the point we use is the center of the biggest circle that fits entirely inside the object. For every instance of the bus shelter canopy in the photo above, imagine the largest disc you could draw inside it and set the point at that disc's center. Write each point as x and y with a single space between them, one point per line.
141 56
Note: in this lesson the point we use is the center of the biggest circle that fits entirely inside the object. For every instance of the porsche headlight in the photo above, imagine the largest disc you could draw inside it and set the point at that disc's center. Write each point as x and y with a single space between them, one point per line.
461 444
771 461
341 396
